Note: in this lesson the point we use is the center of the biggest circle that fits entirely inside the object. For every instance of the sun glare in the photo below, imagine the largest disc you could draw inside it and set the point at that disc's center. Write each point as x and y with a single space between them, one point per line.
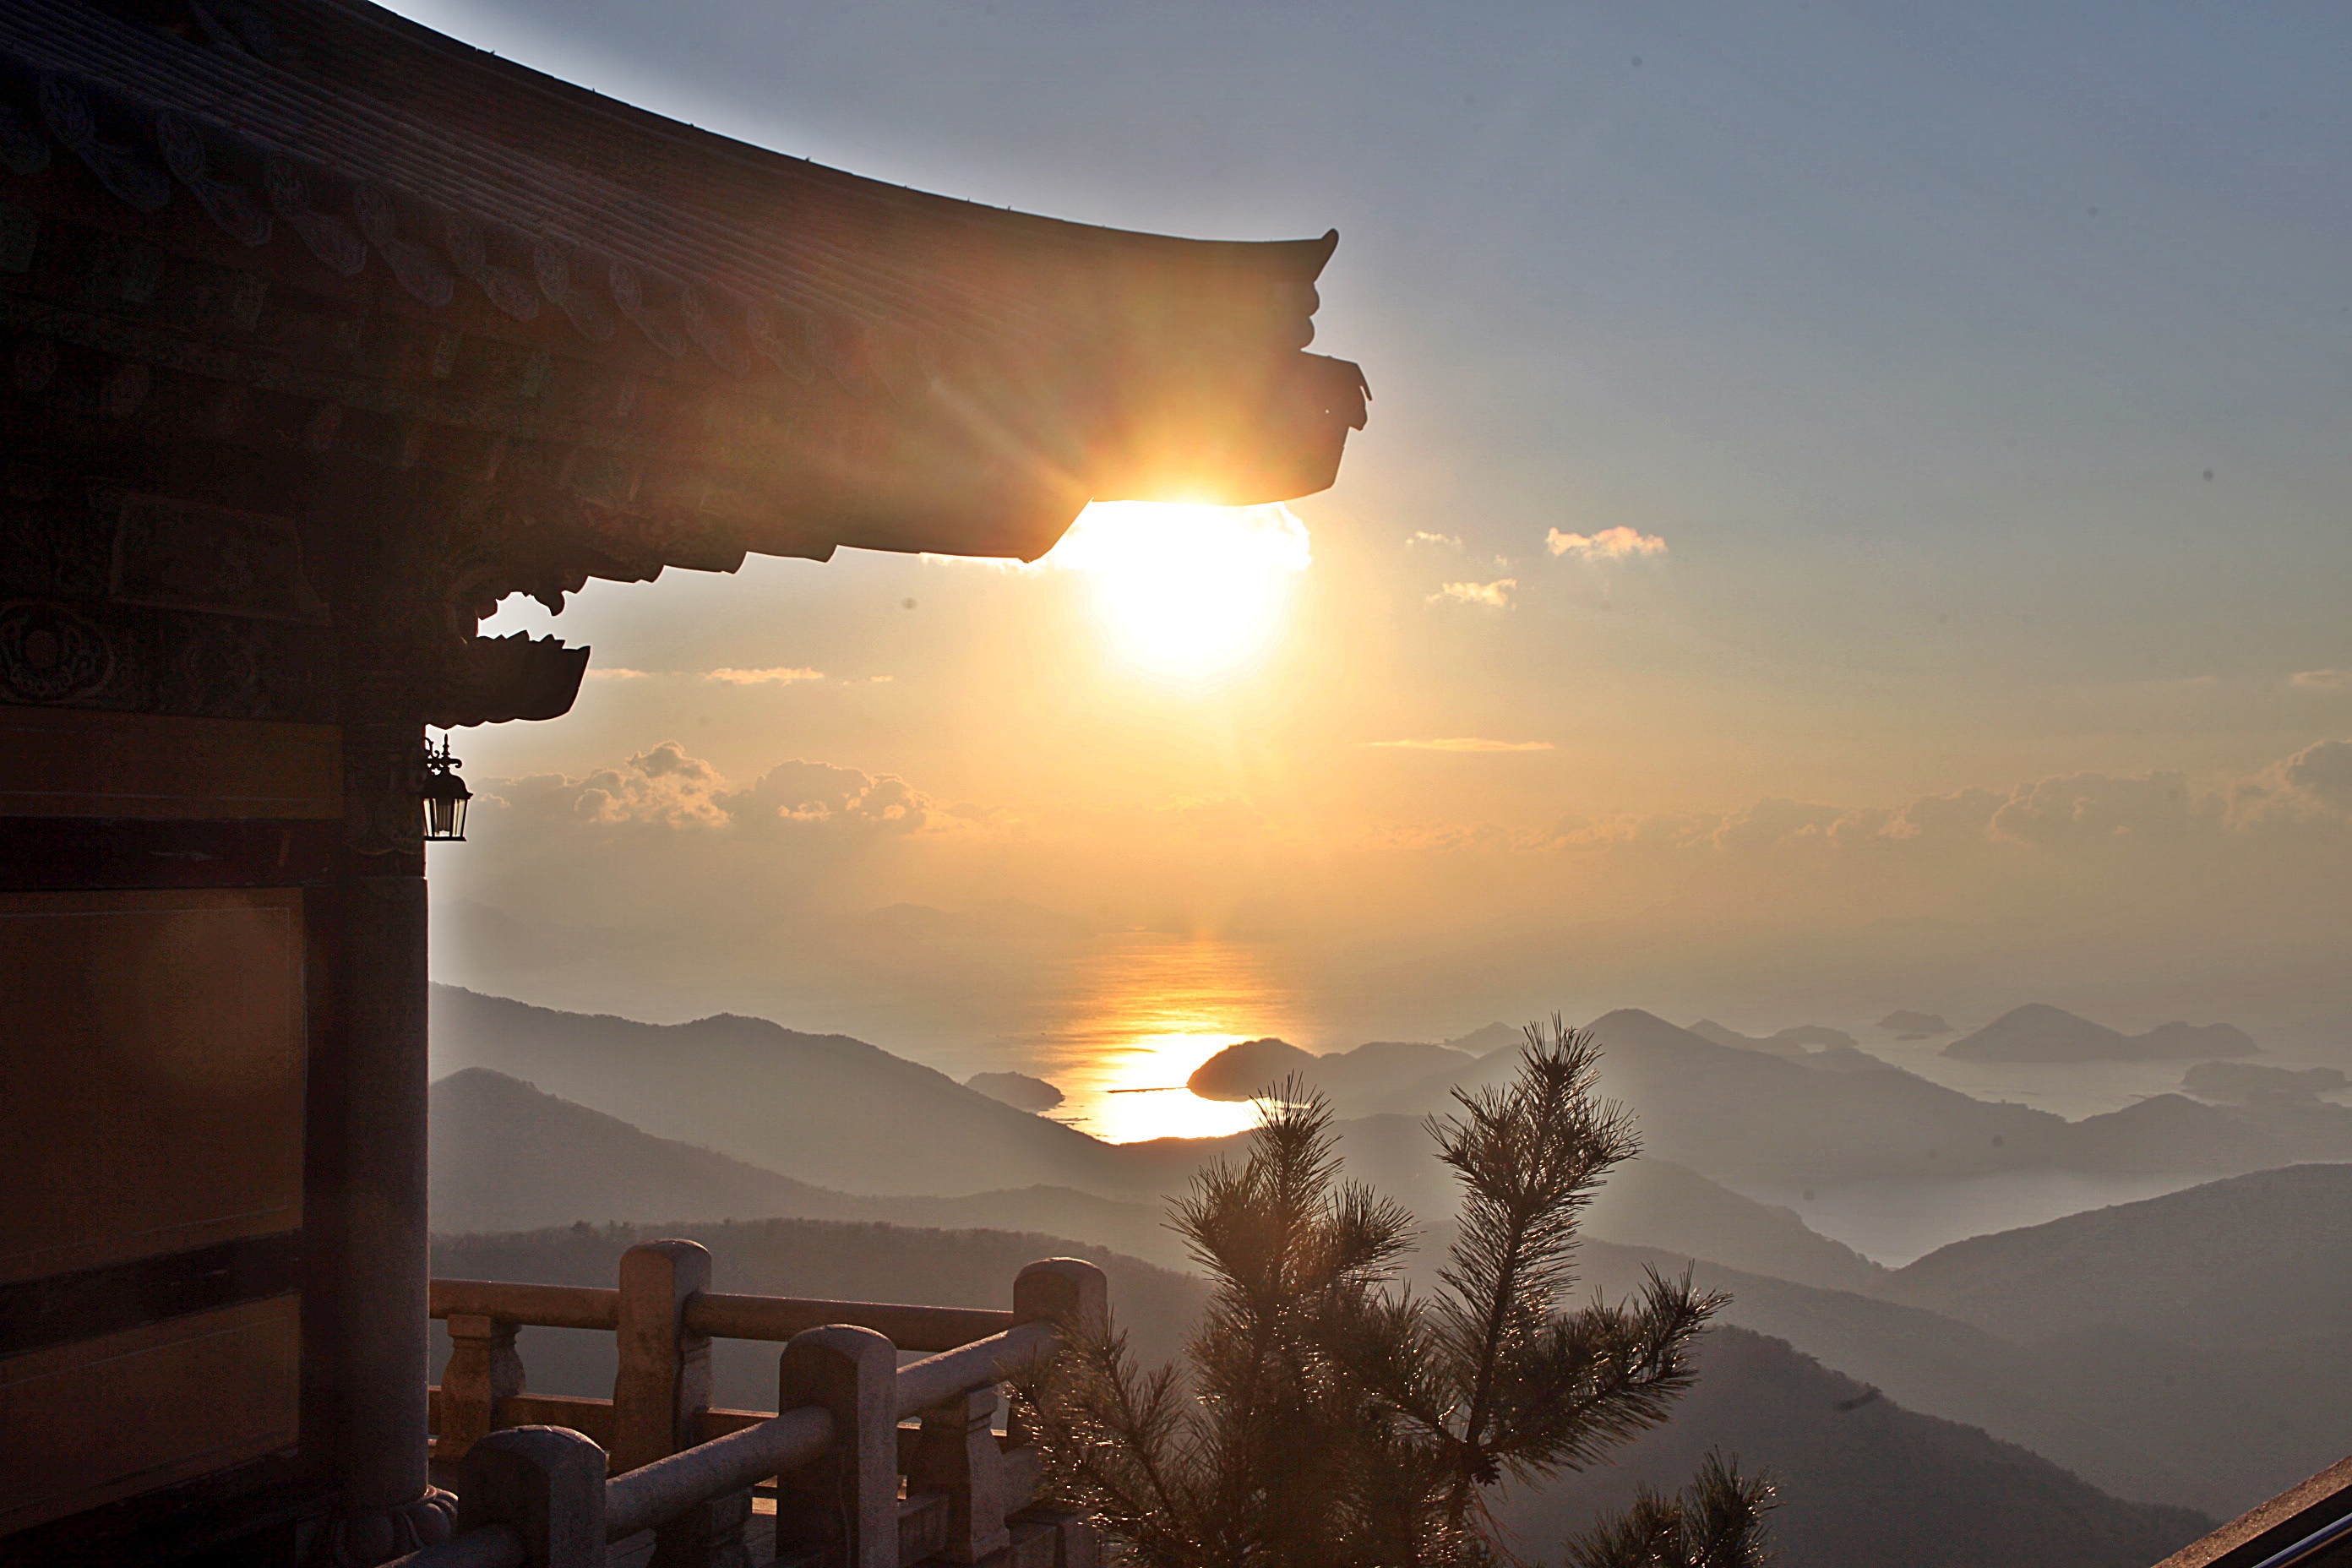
1142 1011
1191 592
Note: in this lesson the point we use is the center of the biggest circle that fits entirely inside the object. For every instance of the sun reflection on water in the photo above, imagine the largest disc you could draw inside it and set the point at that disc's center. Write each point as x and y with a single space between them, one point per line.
1141 1017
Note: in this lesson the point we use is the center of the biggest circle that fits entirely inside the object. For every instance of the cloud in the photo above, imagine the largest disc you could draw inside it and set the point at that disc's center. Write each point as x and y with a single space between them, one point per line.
1497 593
666 787
779 675
2323 679
2323 772
2308 792
616 673
1460 744
1775 821
802 794
1421 536
663 786
2092 807
1619 543
1961 816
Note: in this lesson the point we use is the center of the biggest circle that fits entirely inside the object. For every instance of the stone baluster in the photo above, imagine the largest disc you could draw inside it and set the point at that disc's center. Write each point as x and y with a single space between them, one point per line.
956 1453
544 1483
842 1510
482 1370
660 1389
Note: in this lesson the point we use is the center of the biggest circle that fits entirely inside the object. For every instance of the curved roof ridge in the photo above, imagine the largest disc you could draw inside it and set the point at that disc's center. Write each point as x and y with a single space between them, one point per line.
1290 261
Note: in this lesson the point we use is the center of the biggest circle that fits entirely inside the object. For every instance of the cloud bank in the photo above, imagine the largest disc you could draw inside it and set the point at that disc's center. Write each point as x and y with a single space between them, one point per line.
1620 543
666 787
1496 595
660 887
778 675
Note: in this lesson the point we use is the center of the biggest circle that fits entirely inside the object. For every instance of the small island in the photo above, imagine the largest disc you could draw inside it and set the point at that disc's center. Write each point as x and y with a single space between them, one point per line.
1017 1090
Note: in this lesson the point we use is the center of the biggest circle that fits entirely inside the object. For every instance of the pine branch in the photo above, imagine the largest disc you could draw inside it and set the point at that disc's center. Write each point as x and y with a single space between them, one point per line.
1529 1156
1334 1421
1717 1521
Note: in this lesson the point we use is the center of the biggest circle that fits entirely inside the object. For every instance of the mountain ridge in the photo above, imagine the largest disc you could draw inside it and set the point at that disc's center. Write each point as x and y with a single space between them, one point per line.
2038 1032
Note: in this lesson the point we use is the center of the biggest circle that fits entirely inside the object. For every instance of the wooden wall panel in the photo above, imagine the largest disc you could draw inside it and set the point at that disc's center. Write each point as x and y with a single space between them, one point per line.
68 762
85 1424
152 1073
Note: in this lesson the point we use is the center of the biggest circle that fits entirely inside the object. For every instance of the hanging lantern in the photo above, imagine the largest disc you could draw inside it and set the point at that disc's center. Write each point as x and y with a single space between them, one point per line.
445 794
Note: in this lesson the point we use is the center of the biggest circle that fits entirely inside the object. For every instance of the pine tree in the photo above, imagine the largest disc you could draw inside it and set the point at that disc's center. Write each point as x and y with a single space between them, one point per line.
1712 1524
1332 1419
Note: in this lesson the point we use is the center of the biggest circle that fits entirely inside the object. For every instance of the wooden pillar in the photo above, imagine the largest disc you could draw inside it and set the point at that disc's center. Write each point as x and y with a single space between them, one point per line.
387 1505
844 1506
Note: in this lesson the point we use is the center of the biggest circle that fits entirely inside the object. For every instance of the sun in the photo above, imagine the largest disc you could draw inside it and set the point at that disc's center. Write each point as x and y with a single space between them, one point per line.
1187 593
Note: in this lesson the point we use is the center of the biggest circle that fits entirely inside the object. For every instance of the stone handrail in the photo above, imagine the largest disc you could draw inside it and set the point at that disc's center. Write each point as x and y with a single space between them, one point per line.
653 1495
545 1496
534 1306
983 1363
715 1314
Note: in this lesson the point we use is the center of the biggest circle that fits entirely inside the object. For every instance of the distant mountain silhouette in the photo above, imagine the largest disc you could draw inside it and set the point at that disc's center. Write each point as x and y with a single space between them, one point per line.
1792 1042
1656 1203
1913 1025
1017 1090
1709 1029
503 1156
1740 1115
824 1109
2209 1321
2038 1032
2237 1082
2237 1253
1350 1078
2216 1424
1486 1039
506 1157
1250 1067
1861 1479
836 1112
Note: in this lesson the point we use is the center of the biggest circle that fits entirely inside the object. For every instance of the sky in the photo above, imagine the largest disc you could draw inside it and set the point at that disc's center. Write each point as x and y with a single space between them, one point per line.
1853 517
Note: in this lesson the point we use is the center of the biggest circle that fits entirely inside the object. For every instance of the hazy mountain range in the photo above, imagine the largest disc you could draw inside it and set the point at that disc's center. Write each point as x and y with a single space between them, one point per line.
837 1111
2040 1033
506 1157
1861 1479
2180 1351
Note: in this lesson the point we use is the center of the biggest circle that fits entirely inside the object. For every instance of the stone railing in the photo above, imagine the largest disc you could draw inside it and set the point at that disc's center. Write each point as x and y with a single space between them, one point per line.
870 1463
